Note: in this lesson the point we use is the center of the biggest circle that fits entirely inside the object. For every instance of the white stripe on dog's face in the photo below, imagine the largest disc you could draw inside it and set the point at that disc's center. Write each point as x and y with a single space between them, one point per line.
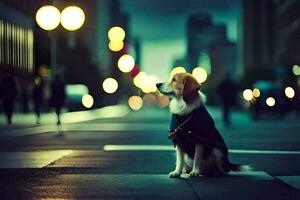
165 88
174 87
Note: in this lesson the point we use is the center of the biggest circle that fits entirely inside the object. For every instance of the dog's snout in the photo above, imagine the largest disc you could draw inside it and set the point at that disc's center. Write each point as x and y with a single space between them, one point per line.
158 85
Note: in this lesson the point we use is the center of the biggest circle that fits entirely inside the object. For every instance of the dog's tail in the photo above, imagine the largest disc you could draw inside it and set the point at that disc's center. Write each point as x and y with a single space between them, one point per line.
239 168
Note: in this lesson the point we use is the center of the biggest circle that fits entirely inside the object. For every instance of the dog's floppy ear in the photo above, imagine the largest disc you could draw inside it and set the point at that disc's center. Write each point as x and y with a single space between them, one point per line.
190 89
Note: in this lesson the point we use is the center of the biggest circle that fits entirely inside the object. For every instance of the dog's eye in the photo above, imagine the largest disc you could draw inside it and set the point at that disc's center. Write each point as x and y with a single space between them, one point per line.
173 79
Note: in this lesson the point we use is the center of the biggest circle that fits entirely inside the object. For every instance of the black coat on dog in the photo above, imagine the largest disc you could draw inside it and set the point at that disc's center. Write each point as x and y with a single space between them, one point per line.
197 127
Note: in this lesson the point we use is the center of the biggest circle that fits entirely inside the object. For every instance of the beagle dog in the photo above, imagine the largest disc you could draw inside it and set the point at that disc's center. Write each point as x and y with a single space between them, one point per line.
200 149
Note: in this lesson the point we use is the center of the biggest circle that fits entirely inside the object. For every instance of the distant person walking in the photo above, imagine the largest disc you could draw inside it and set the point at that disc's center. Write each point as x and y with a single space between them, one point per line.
8 95
227 91
58 95
38 96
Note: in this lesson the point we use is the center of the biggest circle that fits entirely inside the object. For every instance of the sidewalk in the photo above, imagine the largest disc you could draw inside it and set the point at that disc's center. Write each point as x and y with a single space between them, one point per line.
29 119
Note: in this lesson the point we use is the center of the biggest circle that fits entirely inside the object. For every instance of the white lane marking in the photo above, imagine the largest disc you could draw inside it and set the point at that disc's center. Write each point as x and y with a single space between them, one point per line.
171 148
138 148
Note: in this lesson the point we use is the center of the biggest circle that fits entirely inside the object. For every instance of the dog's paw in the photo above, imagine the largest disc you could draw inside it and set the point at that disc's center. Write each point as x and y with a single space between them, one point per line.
194 173
174 174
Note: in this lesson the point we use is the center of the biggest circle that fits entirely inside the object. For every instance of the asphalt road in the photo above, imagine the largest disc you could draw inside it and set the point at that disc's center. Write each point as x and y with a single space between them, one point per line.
129 158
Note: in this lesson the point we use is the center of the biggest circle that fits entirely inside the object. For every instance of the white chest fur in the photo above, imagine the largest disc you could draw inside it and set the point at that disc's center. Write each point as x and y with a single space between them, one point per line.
180 107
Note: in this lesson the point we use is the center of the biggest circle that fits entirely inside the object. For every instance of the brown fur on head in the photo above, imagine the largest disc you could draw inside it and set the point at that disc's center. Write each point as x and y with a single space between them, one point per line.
185 85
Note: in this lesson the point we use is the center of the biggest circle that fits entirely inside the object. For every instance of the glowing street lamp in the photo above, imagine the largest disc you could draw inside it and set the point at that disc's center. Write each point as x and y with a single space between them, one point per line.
139 79
110 85
72 18
126 63
199 74
48 17
87 101
116 33
176 70
256 92
289 92
135 102
248 94
116 45
270 101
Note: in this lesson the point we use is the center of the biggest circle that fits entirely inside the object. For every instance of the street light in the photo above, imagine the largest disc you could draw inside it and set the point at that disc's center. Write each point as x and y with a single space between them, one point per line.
72 18
48 18
126 63
116 33
200 74
110 85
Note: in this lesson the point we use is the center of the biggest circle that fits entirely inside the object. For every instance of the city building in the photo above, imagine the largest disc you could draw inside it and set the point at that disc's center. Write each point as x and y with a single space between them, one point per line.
209 48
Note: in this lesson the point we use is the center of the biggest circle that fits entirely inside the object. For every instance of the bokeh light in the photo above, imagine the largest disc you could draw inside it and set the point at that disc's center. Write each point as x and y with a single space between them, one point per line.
150 99
48 17
149 84
296 70
116 45
126 63
270 101
116 33
87 101
177 70
163 101
135 102
72 18
289 92
247 94
138 79
110 85
199 74
256 92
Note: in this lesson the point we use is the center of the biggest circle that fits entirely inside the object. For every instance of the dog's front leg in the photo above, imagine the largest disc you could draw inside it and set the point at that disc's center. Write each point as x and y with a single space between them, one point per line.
198 161
179 163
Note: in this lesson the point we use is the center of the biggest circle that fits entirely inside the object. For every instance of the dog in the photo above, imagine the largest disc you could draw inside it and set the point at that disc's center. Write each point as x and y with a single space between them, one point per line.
200 149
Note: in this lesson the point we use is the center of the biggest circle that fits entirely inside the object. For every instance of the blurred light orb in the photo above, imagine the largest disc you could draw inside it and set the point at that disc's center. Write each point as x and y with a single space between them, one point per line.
289 92
139 78
296 70
110 85
150 99
199 74
48 17
72 18
149 84
163 101
116 45
116 33
270 101
177 70
135 102
256 92
247 94
126 63
87 101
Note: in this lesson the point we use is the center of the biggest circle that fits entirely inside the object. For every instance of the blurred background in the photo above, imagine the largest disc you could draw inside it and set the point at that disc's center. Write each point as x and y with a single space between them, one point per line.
110 52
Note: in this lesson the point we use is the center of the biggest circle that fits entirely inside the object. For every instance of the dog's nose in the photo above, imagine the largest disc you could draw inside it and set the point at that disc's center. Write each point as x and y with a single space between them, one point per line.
158 85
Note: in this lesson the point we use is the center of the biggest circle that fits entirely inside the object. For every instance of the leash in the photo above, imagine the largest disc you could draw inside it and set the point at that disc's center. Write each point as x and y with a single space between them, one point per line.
172 135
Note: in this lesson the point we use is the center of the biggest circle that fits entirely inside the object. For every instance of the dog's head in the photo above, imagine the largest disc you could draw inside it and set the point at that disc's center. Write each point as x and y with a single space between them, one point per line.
182 85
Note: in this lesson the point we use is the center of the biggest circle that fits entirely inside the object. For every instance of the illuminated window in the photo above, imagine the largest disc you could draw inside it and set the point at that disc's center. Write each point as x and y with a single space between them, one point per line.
16 46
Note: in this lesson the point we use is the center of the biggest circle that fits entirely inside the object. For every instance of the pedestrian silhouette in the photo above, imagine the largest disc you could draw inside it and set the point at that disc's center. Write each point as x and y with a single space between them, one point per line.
38 96
8 95
227 91
58 95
